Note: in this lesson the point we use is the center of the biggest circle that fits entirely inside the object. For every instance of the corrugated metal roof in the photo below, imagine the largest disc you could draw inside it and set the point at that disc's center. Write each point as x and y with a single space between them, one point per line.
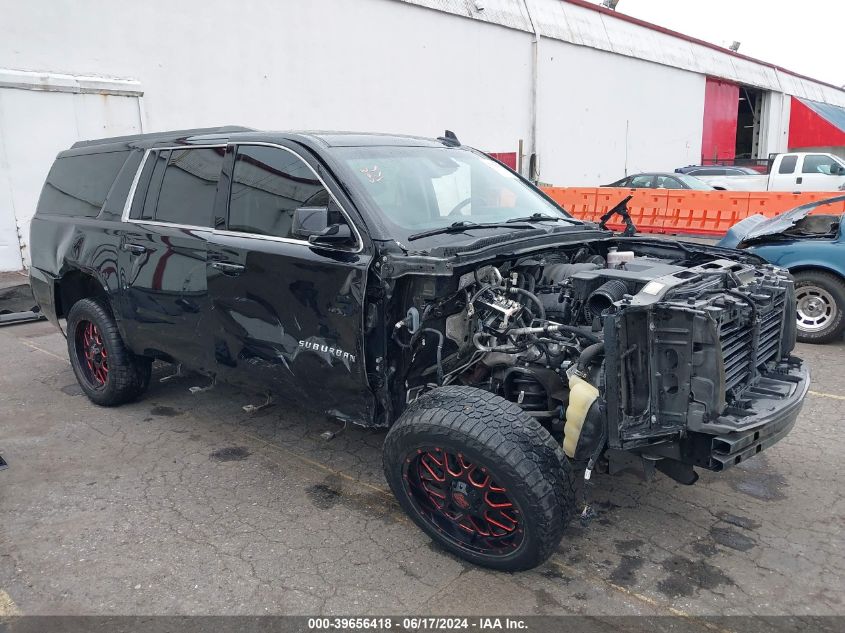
835 115
585 24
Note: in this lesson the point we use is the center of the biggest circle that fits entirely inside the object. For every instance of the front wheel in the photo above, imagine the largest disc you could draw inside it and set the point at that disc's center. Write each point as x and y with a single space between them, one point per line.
481 477
820 306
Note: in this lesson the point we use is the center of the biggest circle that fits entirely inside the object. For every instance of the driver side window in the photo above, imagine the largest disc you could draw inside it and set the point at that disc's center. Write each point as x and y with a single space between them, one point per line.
268 183
667 182
819 164
641 182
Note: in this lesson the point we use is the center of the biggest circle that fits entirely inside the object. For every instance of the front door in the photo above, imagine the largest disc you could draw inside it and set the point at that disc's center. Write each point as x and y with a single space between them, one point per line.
289 315
819 173
162 256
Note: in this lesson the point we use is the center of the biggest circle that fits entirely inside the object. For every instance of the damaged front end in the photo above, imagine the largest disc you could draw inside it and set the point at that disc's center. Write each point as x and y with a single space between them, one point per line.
630 352
699 368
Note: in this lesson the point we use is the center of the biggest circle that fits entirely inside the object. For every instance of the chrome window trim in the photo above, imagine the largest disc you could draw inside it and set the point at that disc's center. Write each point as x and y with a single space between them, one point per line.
273 238
130 198
359 242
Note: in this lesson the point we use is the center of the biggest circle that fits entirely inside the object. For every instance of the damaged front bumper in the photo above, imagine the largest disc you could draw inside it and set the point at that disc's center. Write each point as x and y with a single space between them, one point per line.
775 401
773 404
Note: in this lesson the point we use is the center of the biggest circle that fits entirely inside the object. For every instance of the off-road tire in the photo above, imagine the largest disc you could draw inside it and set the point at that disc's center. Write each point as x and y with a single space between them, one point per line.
518 452
128 374
834 287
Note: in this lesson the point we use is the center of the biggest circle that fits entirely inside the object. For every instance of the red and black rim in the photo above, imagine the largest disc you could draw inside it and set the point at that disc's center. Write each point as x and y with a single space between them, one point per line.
462 501
92 354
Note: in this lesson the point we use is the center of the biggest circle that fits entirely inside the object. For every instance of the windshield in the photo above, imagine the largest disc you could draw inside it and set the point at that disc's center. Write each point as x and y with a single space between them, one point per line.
419 189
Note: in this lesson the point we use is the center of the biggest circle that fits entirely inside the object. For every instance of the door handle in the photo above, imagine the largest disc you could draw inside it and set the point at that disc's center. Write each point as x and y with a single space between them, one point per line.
135 249
228 267
799 180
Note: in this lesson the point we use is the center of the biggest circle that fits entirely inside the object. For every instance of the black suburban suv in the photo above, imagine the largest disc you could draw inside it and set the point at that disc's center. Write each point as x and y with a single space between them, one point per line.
421 286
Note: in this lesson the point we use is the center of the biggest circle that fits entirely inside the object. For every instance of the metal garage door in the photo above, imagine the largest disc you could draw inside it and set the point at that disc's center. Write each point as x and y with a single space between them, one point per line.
40 115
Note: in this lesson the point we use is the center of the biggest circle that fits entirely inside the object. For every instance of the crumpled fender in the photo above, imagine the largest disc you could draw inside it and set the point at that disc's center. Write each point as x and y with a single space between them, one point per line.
738 231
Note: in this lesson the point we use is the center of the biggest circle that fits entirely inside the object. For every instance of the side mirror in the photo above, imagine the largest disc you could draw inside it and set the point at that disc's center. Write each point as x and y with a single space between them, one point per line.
312 224
332 234
308 221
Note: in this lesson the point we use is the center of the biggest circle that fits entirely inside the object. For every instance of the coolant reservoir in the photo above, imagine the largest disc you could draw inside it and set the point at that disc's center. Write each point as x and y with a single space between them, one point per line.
581 397
616 258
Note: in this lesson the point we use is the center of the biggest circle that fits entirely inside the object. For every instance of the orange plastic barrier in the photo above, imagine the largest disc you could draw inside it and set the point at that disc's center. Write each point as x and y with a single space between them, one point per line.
647 208
704 212
579 201
682 211
770 203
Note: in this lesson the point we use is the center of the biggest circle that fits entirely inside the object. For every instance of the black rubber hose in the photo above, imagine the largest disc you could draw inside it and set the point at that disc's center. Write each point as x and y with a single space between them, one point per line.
533 297
606 295
577 332
440 341
588 355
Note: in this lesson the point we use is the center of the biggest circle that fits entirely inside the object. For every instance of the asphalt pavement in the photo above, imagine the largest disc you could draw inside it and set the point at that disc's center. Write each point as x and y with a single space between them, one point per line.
186 504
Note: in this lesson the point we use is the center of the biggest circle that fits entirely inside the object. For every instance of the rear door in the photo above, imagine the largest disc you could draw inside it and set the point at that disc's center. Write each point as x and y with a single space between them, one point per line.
162 255
786 174
289 315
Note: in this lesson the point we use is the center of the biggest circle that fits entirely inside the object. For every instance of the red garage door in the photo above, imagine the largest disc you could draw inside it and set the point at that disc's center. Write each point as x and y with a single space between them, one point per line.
718 141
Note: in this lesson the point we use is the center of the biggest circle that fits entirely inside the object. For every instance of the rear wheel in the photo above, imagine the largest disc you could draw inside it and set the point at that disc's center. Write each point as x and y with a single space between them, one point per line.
107 371
481 477
820 306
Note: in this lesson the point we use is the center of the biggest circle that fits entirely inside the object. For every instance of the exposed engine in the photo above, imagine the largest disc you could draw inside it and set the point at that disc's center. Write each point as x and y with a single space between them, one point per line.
534 331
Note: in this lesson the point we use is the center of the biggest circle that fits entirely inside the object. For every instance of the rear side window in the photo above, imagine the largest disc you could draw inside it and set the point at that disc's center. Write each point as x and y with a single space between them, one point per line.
180 186
787 165
78 185
268 183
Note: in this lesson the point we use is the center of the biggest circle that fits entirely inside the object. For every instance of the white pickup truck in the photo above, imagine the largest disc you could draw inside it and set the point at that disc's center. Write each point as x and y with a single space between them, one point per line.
795 171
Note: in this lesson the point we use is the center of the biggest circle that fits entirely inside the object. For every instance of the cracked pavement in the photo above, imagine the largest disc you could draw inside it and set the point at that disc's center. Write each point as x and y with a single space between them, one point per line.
185 504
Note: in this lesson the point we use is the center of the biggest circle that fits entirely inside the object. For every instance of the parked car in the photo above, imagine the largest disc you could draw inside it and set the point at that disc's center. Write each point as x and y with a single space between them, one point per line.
716 170
420 286
812 248
661 181
795 171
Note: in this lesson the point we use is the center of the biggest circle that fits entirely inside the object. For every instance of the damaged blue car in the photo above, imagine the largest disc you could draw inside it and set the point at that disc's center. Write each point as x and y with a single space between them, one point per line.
809 243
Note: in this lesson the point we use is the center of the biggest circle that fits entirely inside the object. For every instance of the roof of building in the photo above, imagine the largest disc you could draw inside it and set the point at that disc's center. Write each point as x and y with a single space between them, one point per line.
588 24
660 29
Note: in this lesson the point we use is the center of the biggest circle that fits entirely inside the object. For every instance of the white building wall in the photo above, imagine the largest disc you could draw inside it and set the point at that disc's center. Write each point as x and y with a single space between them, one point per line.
368 65
340 64
613 96
39 115
774 123
604 116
